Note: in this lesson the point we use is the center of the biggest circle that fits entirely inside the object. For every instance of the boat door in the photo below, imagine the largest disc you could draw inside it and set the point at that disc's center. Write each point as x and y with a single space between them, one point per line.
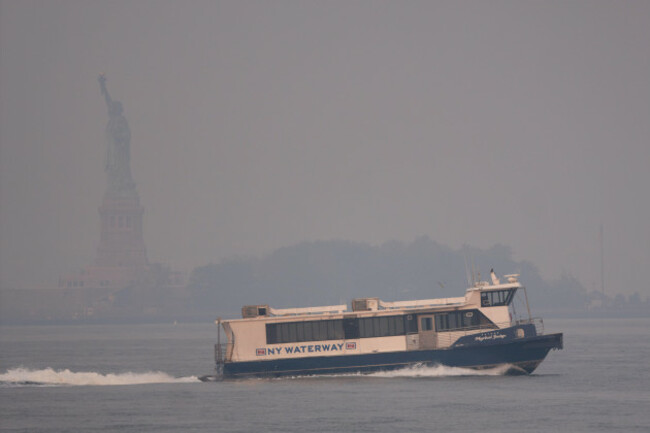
426 331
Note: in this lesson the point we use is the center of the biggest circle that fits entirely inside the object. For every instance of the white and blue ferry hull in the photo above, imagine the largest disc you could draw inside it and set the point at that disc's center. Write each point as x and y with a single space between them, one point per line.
476 351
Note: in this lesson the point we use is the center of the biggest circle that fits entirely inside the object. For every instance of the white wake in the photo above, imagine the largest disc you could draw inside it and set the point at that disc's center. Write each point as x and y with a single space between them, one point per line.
441 371
49 376
416 371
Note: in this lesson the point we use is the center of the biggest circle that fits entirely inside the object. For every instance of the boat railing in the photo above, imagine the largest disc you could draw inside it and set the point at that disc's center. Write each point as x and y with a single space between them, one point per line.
537 321
220 352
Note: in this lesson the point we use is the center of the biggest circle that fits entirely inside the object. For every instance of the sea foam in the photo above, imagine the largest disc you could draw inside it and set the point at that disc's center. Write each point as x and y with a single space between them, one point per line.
417 371
441 371
49 376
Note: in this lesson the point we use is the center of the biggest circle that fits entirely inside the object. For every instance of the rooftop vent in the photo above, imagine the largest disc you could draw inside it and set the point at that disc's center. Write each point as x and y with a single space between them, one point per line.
365 304
252 311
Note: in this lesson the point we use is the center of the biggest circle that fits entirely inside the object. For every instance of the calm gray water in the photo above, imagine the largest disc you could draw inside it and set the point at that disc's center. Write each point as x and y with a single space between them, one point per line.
142 378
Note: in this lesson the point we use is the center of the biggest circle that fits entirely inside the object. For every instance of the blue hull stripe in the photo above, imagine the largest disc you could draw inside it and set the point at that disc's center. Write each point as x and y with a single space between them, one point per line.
526 353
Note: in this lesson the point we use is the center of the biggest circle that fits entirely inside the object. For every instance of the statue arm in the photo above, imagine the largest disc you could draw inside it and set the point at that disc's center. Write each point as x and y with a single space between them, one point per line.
102 84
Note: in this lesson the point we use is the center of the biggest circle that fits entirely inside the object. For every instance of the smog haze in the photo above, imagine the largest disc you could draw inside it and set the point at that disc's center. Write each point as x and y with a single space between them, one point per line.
258 125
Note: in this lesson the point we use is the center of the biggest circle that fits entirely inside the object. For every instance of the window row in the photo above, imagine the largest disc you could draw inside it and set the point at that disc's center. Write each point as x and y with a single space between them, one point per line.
497 298
370 327
291 332
386 326
460 319
119 221
340 329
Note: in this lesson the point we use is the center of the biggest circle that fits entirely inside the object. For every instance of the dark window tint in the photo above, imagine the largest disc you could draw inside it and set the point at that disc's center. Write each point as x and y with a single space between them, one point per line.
497 298
461 320
370 327
411 324
349 328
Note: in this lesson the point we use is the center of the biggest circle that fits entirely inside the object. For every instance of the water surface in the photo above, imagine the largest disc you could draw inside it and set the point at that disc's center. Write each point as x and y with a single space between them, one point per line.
135 378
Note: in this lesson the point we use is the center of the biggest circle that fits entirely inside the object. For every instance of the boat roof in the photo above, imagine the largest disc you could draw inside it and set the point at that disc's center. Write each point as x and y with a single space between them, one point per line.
373 306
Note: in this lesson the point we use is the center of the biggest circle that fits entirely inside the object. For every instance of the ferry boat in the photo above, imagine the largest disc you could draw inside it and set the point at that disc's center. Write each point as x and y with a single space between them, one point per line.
479 330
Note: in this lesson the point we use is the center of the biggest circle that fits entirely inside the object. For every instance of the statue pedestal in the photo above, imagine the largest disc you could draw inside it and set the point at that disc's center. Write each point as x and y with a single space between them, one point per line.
121 258
121 243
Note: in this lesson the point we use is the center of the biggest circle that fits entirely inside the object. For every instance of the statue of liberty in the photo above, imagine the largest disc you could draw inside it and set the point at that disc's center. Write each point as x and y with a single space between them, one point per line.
118 148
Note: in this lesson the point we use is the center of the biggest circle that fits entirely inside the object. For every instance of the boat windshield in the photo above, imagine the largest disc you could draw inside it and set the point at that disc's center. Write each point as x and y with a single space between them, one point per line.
497 298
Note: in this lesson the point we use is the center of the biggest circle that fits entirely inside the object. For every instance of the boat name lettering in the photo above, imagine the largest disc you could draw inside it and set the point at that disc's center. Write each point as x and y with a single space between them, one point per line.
490 337
308 348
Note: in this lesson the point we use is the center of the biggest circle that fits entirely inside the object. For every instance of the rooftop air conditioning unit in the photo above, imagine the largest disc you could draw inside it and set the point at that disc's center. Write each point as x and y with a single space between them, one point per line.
365 304
252 311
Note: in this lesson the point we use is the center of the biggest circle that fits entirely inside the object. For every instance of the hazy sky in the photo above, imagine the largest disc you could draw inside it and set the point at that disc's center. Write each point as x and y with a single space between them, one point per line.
259 124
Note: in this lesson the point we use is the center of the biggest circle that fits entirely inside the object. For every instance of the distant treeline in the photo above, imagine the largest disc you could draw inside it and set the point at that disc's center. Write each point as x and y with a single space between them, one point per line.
310 274
333 272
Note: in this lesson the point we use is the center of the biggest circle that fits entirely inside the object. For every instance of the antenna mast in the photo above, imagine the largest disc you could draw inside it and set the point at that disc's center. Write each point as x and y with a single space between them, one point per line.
602 260
473 272
469 283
